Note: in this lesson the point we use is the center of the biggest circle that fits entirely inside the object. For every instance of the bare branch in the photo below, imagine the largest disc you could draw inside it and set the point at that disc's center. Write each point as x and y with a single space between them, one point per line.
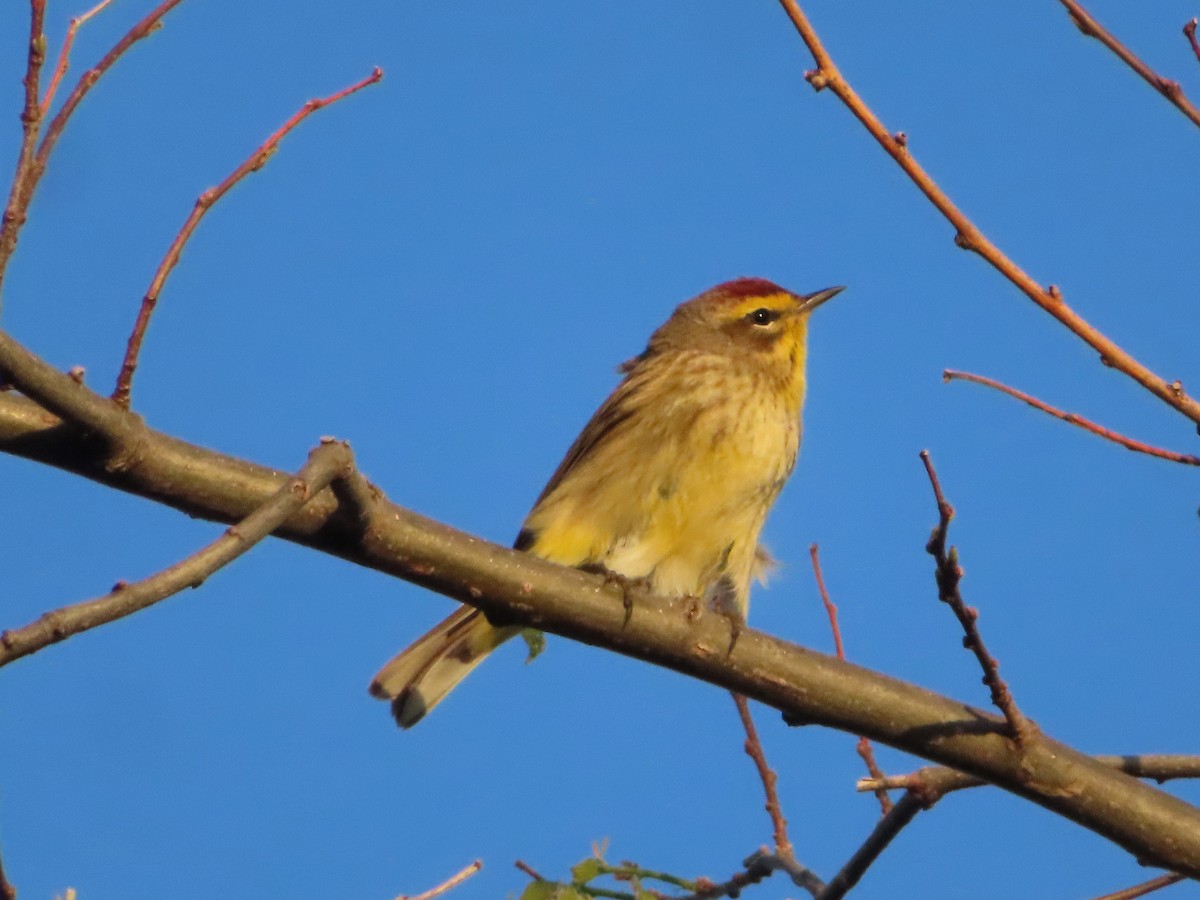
1146 887
325 463
754 749
64 55
885 830
863 747
807 686
949 573
203 204
17 207
1086 23
969 237
1189 31
1160 767
1108 434
448 885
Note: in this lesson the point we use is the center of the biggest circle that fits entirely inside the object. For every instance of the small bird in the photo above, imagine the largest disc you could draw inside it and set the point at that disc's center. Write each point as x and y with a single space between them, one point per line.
669 483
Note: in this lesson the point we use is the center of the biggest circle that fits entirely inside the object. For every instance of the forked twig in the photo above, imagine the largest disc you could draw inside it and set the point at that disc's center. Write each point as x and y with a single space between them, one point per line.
203 204
449 884
327 462
864 749
1086 23
64 54
1108 434
949 574
17 206
969 237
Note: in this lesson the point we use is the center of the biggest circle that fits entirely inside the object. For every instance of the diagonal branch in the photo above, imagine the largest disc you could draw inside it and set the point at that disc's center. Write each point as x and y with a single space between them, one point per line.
1189 32
203 204
1108 434
1087 23
877 841
64 54
1146 887
969 237
509 585
326 463
448 885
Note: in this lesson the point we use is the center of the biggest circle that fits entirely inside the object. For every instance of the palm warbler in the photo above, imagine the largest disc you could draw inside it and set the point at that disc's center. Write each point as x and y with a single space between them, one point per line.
670 481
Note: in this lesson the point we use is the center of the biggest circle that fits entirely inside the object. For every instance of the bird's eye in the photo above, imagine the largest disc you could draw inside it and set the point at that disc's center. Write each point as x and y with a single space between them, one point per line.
762 316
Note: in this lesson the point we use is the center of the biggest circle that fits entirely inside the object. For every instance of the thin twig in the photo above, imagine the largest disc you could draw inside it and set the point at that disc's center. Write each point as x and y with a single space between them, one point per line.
1146 887
1108 434
529 870
17 206
328 461
756 868
969 237
1086 23
449 884
1189 31
203 204
877 841
64 55
949 574
32 165
754 749
1159 767
864 749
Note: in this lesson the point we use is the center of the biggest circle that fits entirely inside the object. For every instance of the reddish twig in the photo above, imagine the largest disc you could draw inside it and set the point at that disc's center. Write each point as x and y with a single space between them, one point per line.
16 207
969 237
1189 31
949 375
449 884
949 573
1146 887
529 870
64 55
29 174
1086 23
203 204
864 749
754 749
326 463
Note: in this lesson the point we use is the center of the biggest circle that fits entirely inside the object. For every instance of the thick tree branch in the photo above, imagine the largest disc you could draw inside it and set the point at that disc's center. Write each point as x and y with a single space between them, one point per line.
969 237
326 463
511 586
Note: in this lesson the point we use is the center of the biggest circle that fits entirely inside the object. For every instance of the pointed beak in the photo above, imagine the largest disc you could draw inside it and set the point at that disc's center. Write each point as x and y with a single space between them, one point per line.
809 302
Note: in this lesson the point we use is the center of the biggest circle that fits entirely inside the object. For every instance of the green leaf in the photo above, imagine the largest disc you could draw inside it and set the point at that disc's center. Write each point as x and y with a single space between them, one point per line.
585 871
535 641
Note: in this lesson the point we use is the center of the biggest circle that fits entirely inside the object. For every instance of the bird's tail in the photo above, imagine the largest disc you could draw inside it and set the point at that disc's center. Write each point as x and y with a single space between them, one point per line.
421 676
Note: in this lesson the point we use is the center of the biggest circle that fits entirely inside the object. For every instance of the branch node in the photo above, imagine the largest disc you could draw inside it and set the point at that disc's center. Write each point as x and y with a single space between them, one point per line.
901 139
818 79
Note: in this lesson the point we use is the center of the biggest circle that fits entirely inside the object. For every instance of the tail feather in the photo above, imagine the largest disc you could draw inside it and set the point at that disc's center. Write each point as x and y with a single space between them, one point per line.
420 677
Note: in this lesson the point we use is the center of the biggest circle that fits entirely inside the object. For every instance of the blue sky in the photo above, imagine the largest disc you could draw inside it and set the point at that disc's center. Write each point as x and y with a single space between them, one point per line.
445 270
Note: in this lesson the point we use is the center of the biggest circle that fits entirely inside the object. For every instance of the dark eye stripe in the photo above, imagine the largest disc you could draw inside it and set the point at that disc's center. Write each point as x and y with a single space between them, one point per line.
762 316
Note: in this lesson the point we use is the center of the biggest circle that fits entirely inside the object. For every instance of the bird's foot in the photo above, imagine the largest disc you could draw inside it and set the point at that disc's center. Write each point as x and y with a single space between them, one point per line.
626 585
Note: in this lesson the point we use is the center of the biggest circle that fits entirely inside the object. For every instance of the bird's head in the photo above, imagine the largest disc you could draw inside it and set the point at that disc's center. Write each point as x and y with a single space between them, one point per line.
748 318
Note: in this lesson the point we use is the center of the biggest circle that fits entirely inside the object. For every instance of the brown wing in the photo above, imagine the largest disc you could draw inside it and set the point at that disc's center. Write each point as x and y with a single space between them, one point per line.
604 423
